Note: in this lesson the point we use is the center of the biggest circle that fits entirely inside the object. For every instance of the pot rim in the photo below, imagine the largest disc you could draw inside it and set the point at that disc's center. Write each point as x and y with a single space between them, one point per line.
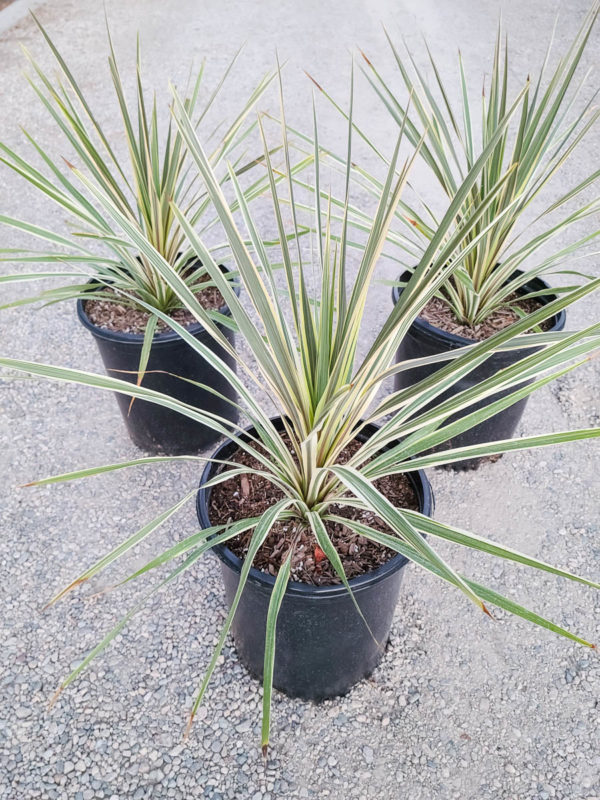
162 337
455 340
421 486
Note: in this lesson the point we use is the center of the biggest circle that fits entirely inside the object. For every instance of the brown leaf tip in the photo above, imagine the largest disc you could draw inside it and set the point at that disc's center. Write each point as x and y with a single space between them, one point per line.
364 55
188 727
316 83
265 750
55 696
64 592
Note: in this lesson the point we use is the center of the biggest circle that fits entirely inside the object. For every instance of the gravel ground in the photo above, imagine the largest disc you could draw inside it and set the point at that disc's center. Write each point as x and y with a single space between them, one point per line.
461 707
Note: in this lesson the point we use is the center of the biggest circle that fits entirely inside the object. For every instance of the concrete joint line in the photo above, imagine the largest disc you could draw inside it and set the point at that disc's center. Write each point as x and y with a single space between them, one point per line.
15 12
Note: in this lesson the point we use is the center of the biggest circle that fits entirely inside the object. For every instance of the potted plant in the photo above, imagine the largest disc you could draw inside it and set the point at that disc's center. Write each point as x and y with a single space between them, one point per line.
111 285
500 280
313 514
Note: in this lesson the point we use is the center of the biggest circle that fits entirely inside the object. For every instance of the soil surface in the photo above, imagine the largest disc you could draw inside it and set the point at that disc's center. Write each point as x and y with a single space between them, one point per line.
437 312
250 495
114 316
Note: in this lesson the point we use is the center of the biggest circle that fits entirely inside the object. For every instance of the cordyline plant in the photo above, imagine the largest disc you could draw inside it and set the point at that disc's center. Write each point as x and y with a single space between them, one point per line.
308 361
141 188
528 154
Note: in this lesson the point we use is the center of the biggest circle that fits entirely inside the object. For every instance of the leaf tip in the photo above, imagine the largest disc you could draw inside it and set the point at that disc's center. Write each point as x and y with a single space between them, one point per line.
265 750
364 55
188 727
64 592
592 356
55 696
318 85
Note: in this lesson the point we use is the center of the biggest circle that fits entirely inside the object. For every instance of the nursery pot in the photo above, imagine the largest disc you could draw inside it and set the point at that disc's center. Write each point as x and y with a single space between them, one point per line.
322 645
424 339
153 427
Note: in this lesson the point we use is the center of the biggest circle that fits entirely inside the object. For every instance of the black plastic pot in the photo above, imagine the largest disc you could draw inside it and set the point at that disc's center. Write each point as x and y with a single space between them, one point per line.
152 427
322 645
424 339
